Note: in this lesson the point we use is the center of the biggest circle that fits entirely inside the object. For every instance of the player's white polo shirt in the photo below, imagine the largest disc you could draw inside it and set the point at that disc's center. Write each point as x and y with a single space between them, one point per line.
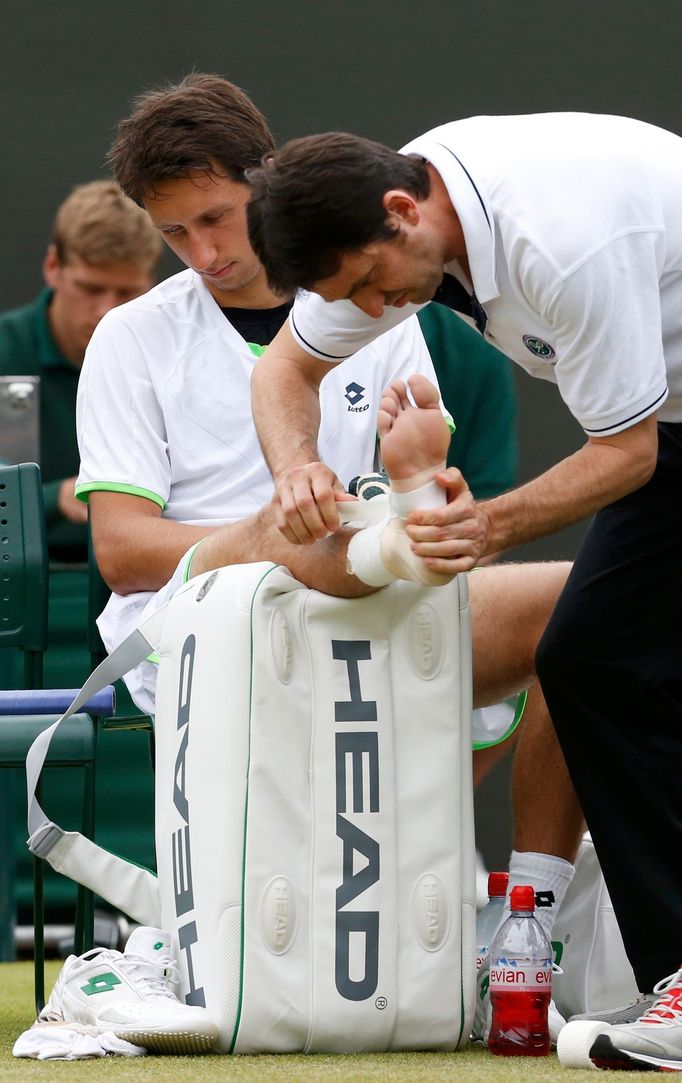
573 233
164 406
164 412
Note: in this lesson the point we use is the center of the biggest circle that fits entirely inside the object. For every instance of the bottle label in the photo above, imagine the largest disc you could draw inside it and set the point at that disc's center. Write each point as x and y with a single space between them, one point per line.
481 955
508 973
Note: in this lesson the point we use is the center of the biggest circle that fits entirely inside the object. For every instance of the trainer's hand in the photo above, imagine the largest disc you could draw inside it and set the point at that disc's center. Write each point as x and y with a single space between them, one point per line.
454 537
304 503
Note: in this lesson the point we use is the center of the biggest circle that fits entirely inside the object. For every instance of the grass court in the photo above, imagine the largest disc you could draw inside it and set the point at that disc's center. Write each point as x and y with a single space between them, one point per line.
474 1065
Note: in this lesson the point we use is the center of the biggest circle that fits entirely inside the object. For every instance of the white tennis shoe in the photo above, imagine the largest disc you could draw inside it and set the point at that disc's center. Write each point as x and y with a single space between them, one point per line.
132 994
653 1043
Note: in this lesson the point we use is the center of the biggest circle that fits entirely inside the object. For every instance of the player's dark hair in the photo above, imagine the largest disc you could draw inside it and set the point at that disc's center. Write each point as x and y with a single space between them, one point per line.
320 197
202 124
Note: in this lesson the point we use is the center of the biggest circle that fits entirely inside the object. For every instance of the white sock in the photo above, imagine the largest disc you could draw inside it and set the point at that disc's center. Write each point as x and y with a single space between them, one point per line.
549 875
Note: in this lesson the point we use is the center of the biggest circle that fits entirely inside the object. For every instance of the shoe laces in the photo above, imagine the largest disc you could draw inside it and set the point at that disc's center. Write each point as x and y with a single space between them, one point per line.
667 1008
156 977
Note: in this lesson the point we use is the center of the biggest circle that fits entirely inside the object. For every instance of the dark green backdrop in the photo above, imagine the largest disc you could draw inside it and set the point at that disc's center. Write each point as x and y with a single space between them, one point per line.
384 68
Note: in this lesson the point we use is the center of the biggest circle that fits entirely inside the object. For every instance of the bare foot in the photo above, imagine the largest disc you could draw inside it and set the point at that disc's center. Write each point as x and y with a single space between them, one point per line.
414 439
414 444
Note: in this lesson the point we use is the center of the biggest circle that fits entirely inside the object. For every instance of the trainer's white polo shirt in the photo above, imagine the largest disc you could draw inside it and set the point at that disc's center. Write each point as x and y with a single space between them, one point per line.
573 233
164 412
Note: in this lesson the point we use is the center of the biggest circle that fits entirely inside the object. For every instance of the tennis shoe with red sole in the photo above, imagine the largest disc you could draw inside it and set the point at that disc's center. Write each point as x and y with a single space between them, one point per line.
133 995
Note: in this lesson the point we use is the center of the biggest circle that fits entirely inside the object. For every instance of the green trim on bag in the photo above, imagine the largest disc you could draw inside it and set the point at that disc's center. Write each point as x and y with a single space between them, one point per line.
187 574
238 1016
518 715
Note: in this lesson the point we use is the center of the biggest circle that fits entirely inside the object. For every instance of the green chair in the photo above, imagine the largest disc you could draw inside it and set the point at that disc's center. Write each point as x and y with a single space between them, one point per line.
23 627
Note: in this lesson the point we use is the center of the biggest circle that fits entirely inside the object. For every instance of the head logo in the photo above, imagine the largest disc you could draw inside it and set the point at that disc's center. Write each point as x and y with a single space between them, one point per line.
539 347
207 584
354 393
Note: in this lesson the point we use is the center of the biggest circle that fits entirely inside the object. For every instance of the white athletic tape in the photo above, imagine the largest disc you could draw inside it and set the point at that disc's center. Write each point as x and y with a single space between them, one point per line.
365 560
430 495
363 512
575 1041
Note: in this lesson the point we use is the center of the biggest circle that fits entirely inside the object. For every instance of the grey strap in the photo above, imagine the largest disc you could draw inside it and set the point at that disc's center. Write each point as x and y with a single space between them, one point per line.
133 650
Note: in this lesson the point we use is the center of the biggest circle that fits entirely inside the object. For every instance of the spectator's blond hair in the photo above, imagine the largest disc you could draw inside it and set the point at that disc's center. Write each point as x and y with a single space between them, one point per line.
101 226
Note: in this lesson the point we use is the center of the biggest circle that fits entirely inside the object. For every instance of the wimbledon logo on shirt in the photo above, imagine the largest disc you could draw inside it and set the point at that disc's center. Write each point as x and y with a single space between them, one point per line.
539 347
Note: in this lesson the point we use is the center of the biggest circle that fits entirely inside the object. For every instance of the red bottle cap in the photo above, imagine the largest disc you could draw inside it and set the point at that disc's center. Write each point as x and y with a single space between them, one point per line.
497 883
522 897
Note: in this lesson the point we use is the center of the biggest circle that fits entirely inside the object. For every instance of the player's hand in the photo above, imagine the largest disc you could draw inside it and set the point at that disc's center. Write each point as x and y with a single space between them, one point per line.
72 509
454 537
304 503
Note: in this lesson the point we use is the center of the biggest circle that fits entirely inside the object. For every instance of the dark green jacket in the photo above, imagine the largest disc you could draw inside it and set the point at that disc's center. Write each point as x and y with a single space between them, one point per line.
27 348
477 387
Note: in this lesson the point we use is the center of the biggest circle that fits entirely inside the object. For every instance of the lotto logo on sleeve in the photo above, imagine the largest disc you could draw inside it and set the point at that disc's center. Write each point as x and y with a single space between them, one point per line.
355 393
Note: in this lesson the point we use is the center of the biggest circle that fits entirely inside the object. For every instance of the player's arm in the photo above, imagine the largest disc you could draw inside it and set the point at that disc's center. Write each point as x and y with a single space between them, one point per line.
136 549
455 537
286 409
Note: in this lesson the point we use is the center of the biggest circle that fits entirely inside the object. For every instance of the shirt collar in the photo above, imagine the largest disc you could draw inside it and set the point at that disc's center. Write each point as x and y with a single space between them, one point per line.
473 210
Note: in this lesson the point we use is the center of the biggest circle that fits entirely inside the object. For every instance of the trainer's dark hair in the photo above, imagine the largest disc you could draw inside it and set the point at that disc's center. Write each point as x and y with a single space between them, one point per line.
204 123
320 197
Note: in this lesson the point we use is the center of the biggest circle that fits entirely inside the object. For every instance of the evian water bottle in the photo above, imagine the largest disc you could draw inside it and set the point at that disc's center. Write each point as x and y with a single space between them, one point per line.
520 981
491 915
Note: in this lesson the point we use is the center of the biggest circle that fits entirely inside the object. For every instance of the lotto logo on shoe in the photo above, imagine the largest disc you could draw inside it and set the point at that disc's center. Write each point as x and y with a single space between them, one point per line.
507 972
101 983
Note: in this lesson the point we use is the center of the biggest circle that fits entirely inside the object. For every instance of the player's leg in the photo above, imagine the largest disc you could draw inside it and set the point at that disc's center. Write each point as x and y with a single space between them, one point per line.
510 608
511 605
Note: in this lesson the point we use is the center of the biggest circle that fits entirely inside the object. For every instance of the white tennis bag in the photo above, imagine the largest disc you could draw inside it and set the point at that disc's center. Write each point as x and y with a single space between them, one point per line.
596 973
314 824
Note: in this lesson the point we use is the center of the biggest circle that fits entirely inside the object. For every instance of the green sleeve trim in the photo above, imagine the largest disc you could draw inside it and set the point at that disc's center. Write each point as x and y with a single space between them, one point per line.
518 715
114 487
155 658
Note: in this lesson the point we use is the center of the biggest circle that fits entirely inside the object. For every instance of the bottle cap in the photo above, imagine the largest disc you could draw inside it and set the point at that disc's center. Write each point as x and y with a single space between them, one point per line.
522 898
497 884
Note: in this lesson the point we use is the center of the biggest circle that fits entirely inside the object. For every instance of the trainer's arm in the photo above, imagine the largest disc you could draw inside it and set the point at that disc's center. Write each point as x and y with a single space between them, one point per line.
137 549
455 537
285 389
